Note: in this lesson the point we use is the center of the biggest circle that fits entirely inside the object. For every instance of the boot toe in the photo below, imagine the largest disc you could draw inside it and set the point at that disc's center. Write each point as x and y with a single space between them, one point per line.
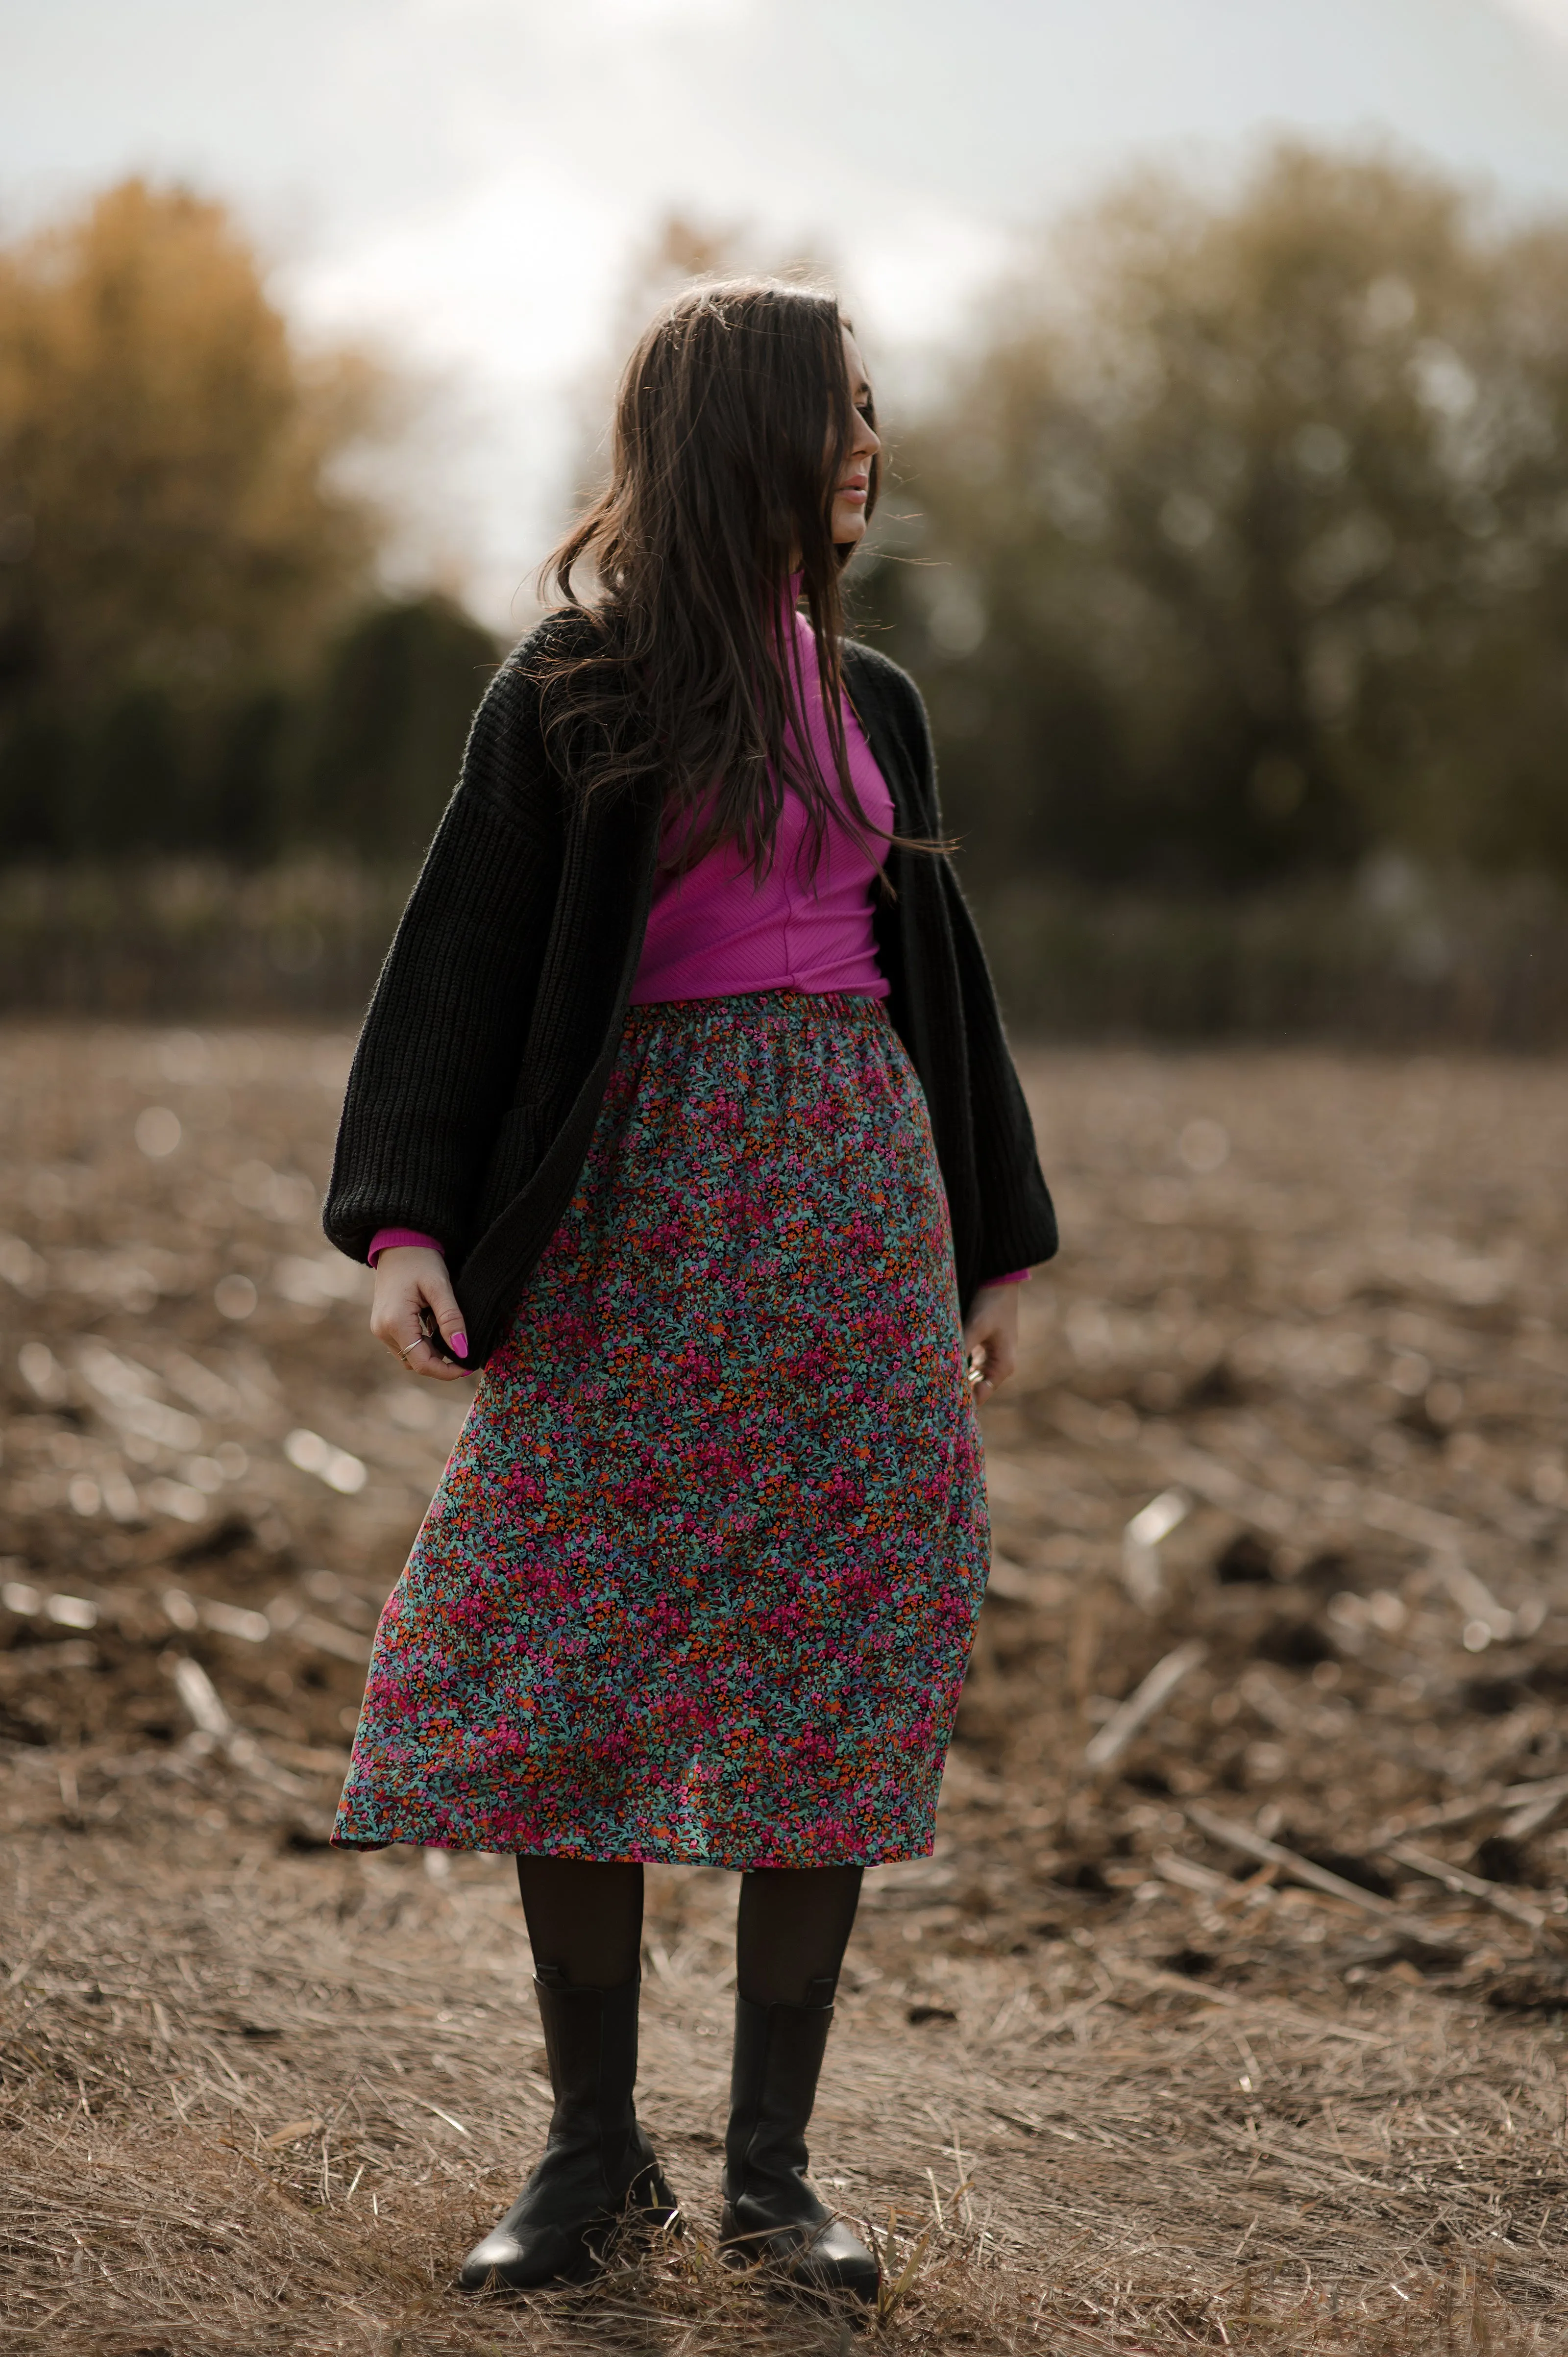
489 2262
525 2262
525 2250
819 2254
837 2260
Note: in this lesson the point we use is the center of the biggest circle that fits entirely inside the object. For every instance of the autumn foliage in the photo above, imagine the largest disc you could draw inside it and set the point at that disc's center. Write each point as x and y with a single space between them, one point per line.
1235 544
180 556
1230 549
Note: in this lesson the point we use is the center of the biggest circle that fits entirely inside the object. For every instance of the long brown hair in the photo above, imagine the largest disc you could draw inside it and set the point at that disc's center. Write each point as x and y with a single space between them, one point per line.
732 422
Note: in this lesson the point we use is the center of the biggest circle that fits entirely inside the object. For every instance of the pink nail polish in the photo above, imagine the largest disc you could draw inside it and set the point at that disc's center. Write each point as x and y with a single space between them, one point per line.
460 1344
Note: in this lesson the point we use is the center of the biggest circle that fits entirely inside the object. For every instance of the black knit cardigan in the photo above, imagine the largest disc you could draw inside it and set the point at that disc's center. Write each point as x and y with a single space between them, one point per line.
491 1039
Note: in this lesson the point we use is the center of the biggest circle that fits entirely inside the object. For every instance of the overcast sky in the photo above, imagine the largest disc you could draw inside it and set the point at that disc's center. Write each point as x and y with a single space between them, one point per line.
467 178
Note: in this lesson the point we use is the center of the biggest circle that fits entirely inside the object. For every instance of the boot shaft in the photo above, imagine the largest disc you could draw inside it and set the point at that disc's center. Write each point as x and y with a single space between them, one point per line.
779 2052
590 2045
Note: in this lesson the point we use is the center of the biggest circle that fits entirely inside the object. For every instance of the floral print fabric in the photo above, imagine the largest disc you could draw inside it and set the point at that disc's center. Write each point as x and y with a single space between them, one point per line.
701 1577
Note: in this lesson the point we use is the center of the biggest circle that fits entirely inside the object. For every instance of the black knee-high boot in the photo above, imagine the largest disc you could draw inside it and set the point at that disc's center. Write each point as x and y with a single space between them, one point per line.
769 2209
599 2170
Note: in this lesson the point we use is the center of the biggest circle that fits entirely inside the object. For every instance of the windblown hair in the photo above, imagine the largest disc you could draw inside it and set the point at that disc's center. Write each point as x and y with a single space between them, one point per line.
732 422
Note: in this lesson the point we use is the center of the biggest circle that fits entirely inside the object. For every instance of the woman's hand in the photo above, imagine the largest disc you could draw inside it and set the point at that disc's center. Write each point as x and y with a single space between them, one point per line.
991 1338
411 1278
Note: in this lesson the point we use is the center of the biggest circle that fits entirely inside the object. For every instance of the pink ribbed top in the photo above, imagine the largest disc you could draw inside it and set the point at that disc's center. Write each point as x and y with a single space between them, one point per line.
718 930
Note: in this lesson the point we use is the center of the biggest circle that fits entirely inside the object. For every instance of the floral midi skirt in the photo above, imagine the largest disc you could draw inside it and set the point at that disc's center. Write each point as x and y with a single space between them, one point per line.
700 1578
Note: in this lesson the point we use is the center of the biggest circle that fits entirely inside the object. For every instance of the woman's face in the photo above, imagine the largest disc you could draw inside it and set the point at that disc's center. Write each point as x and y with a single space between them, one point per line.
855 478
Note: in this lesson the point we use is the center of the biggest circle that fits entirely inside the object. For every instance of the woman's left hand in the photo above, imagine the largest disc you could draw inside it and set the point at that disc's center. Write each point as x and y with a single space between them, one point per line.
991 1338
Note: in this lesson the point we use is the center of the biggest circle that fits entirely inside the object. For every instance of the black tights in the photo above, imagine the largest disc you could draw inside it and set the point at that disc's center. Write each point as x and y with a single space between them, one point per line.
794 1926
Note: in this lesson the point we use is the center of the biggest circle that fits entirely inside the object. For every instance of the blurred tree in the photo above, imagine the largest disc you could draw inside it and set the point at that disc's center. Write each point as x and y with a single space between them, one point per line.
172 535
133 778
1242 535
166 502
180 566
388 725
249 804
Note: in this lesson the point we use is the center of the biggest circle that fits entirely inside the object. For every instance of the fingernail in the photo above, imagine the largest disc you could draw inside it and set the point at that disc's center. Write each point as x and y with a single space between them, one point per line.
460 1344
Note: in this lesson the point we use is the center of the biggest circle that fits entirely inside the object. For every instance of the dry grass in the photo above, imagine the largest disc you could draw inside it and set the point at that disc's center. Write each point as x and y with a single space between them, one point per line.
1091 2090
267 2109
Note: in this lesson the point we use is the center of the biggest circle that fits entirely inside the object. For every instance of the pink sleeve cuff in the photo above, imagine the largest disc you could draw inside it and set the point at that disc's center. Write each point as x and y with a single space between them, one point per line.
385 1238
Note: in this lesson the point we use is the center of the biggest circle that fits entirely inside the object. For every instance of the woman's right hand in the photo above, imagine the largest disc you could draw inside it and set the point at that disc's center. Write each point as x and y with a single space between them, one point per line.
409 1278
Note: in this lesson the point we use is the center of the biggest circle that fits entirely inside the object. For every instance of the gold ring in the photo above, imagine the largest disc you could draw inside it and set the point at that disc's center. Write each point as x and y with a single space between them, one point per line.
407 1347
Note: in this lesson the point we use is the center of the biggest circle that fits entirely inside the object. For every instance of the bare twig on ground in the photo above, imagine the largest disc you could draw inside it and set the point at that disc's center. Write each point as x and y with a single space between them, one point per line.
1107 1747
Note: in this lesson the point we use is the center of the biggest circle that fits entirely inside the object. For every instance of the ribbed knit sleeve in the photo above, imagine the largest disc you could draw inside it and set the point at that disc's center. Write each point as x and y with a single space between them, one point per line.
1018 1223
437 1059
1011 1223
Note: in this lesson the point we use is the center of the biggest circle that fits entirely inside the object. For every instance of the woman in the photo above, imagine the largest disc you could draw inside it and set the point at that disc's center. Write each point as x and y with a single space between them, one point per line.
682 1109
